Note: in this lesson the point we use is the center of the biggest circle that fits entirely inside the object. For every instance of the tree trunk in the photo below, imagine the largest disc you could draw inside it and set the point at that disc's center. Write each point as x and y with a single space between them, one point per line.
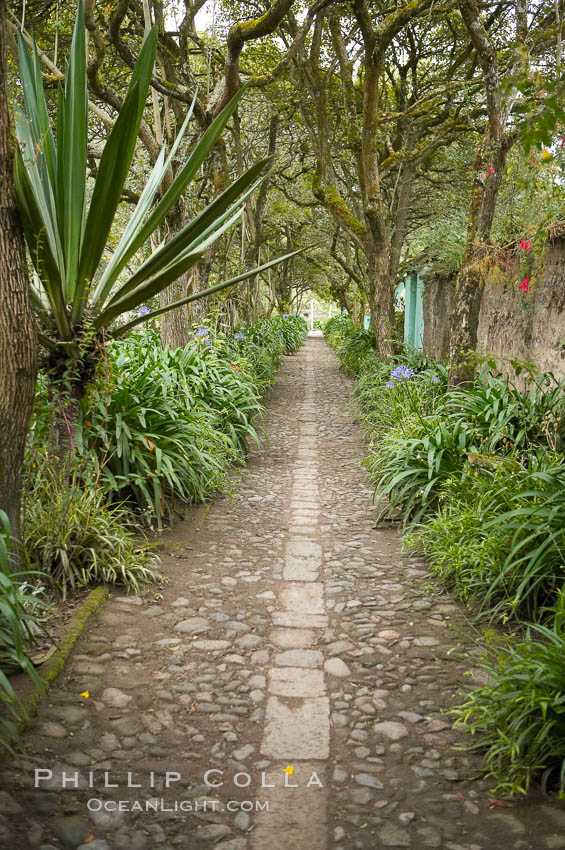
465 323
174 324
470 282
18 345
381 300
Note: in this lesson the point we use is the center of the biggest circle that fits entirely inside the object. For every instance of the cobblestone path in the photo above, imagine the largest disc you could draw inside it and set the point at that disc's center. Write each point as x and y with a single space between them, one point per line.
294 661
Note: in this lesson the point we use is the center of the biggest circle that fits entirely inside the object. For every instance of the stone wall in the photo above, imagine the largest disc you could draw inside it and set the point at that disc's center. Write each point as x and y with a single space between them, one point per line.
512 324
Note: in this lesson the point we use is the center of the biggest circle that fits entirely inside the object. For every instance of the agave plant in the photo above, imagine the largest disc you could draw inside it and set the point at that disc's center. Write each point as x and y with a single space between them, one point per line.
77 297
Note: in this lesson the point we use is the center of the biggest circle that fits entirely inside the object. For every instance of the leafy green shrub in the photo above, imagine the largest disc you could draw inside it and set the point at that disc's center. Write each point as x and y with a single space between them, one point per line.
410 468
384 402
293 329
337 328
355 347
454 540
19 608
77 539
503 419
518 718
533 570
497 539
151 429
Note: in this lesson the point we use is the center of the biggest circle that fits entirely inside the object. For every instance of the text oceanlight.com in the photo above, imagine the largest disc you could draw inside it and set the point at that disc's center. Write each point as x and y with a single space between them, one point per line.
97 804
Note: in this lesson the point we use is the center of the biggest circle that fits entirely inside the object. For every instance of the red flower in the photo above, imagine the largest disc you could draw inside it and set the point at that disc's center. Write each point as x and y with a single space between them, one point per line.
525 285
525 245
234 367
562 141
491 170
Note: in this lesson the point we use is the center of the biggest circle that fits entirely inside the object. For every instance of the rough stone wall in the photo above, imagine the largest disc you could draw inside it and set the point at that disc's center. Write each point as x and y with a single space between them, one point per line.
529 326
512 324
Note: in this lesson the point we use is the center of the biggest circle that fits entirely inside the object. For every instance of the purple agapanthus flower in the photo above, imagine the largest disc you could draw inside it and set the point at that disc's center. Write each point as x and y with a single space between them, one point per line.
436 379
143 311
402 373
389 385
239 336
202 332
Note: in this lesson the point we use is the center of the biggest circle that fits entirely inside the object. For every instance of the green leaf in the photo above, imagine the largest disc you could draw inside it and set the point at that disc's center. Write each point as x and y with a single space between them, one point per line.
205 292
73 158
193 231
174 192
112 173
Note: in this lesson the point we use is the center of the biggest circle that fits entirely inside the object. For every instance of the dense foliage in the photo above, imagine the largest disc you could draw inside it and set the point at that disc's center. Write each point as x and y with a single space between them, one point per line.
159 428
20 608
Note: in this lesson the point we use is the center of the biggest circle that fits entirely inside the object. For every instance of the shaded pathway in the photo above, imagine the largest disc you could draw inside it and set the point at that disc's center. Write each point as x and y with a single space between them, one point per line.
294 660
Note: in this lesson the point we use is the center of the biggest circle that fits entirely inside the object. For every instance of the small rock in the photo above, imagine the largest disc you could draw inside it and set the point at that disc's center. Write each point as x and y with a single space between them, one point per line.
393 836
9 806
368 781
135 840
212 832
429 837
211 645
391 730
107 821
243 752
339 775
53 729
192 626
181 602
71 831
336 667
115 698
249 641
241 821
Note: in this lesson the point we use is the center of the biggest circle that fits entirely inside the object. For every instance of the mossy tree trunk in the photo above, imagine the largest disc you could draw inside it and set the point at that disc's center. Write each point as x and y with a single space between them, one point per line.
488 171
18 345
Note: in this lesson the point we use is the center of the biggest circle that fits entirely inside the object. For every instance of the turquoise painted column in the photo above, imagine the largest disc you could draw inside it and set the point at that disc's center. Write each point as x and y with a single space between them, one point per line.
419 314
410 306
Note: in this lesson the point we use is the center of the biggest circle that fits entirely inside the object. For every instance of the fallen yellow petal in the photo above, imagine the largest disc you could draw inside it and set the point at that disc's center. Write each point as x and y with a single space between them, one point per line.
85 694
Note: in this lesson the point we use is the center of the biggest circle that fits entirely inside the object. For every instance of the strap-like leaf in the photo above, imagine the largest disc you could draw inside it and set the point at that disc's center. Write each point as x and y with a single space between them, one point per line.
73 161
36 107
179 266
148 289
123 251
38 243
205 292
175 190
112 173
42 188
165 255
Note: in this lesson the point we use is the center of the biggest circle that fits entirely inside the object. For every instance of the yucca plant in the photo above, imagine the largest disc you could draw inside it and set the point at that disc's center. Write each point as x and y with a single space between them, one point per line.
78 297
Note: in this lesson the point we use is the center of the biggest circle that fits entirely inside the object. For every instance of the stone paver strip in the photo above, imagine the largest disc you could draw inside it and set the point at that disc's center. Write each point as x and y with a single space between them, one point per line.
298 732
296 682
303 598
